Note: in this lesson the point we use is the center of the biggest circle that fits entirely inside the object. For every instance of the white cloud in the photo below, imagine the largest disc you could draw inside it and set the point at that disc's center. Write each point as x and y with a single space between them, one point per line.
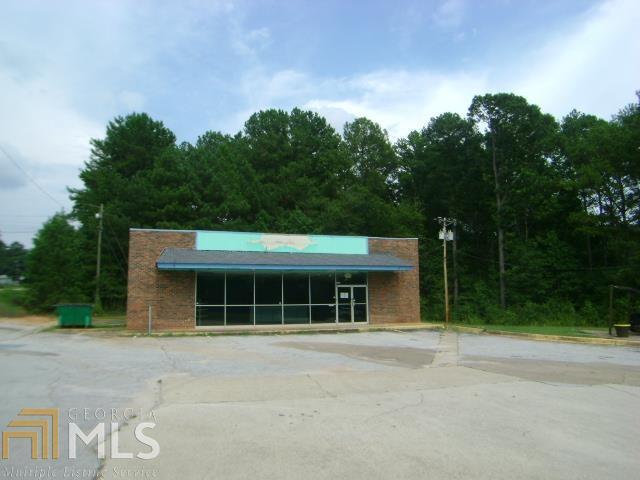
39 122
251 42
402 101
49 139
336 116
591 66
450 13
64 72
261 90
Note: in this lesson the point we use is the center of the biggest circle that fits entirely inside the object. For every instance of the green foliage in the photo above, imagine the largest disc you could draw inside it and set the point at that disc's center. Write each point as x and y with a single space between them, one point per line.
552 312
560 202
12 260
542 268
570 330
53 265
12 301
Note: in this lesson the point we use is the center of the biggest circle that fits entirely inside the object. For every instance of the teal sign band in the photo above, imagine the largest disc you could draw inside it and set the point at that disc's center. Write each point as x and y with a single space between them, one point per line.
269 242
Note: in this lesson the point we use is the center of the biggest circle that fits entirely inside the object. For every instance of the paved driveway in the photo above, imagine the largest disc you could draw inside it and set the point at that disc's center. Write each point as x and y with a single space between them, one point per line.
358 405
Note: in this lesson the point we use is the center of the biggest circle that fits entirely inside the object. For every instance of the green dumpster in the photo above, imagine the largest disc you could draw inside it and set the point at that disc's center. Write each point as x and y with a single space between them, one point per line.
74 314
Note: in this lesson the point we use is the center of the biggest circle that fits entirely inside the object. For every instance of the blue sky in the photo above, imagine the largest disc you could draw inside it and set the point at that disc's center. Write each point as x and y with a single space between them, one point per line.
67 68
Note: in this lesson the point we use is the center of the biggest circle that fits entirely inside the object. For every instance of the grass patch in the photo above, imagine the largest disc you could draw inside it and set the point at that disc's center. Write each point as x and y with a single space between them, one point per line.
105 320
542 329
11 301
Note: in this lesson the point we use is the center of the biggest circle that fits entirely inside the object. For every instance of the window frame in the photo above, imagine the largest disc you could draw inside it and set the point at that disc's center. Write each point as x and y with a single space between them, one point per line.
281 304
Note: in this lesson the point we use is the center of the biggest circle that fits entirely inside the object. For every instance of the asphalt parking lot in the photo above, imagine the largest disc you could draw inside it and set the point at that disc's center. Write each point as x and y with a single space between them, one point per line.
419 404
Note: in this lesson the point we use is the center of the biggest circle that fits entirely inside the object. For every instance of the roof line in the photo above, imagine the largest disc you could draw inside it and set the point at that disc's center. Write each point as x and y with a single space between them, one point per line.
267 233
395 238
283 234
132 229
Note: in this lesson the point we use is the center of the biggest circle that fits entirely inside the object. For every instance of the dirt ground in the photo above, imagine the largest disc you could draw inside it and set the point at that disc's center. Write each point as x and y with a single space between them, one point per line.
29 320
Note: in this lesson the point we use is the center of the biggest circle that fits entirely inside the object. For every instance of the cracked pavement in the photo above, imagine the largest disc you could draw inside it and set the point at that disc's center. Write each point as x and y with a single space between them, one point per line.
414 404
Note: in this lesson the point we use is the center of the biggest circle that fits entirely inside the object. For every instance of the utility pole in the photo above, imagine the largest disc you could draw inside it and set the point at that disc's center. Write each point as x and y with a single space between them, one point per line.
445 235
446 278
99 216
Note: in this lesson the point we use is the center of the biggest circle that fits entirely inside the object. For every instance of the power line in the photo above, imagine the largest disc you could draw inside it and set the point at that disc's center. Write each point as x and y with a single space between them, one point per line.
13 215
118 263
118 255
31 179
114 235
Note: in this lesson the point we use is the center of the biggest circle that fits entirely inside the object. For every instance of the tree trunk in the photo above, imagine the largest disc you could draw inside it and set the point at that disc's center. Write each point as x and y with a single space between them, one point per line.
583 198
503 299
496 179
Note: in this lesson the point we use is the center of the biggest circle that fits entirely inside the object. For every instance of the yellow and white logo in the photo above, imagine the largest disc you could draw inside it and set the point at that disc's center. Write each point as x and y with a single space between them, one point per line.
32 418
41 427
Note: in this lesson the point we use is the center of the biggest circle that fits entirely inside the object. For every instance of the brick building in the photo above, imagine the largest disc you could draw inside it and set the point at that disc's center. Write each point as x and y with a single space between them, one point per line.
187 279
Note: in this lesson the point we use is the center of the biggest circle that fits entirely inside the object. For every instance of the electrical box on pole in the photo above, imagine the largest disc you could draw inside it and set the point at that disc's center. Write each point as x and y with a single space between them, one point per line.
445 235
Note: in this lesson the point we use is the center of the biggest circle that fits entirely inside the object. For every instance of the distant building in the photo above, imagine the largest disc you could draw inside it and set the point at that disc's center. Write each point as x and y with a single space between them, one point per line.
214 279
6 280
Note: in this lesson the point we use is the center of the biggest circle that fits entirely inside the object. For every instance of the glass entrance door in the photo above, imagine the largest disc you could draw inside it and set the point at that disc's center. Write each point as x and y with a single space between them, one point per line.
352 304
344 304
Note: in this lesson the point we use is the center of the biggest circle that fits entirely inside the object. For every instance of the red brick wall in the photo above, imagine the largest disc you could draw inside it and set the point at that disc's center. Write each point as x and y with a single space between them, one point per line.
170 294
394 297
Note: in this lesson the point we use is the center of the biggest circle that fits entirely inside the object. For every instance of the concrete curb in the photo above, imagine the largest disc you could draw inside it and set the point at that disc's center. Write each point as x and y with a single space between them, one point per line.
293 330
549 338
358 329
